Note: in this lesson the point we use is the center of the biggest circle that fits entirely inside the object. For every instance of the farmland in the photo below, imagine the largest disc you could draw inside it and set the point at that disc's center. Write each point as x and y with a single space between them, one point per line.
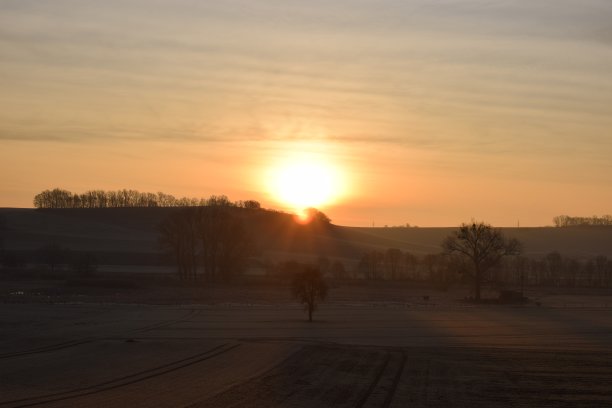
354 354
132 334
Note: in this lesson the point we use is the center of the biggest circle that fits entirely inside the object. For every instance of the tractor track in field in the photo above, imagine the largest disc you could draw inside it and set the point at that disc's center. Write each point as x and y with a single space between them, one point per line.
121 381
381 391
396 380
322 376
77 342
45 349
368 394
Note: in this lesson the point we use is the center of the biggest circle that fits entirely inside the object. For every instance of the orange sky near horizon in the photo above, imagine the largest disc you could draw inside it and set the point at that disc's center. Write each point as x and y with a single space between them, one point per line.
431 113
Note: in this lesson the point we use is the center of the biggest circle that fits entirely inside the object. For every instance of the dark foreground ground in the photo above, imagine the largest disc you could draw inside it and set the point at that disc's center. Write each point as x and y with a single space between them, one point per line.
381 349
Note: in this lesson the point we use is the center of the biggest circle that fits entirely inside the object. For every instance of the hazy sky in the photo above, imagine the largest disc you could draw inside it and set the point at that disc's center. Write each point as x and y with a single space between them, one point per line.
434 111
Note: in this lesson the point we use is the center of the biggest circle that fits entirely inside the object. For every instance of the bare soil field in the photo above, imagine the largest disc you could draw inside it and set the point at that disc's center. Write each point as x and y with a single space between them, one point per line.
250 346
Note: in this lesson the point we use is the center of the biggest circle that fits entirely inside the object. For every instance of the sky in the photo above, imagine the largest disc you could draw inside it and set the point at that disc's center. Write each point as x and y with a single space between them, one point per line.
427 112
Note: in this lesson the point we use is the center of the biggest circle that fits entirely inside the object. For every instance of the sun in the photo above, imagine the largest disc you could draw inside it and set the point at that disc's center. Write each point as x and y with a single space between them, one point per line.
302 181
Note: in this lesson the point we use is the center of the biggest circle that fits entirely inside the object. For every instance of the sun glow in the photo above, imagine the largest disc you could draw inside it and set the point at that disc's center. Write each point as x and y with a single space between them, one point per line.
303 181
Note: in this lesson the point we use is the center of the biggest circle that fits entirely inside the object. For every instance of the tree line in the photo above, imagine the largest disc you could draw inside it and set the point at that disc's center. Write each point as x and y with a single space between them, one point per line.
568 221
477 254
443 269
55 257
554 269
59 198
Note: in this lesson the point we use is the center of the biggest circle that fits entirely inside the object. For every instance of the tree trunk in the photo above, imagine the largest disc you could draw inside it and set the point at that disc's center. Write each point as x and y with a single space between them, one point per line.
309 313
477 283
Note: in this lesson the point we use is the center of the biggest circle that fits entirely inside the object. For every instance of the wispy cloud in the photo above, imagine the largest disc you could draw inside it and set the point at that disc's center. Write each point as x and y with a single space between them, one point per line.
463 77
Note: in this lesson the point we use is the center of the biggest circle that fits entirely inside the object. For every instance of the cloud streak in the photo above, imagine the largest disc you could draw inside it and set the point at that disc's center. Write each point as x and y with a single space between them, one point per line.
458 81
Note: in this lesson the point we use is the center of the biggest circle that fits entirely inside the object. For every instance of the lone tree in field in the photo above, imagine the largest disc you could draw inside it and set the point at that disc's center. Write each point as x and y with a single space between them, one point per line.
309 288
482 246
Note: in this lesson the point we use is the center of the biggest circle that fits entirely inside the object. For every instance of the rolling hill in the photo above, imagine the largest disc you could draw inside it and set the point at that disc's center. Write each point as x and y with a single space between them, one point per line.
129 235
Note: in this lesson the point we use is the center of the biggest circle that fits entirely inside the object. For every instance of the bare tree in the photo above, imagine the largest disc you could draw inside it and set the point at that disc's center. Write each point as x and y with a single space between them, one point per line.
483 246
554 268
569 221
411 266
309 288
59 198
371 264
213 234
520 267
235 246
225 242
251 205
392 263
601 266
178 235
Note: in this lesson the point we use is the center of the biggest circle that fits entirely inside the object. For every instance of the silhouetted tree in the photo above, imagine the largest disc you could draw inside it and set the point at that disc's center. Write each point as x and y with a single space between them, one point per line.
483 246
392 263
410 266
251 205
178 235
309 288
589 273
316 216
59 198
56 198
235 246
554 268
572 268
225 242
568 221
601 266
520 266
219 201
210 228
371 264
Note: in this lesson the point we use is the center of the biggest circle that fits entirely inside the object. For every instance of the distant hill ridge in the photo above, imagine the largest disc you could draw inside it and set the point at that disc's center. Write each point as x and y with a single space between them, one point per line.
135 230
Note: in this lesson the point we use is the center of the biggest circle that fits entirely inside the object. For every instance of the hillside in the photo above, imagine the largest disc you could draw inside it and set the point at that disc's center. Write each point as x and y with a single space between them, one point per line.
130 234
571 241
